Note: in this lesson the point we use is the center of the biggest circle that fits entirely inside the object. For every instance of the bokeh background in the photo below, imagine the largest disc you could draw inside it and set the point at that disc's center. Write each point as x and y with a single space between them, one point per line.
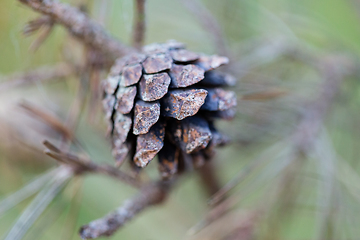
272 44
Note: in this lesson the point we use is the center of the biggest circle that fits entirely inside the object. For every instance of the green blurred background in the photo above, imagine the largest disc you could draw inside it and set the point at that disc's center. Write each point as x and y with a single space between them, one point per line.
255 31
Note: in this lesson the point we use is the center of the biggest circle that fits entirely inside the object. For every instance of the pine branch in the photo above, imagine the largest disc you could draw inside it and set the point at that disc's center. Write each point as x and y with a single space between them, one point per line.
80 26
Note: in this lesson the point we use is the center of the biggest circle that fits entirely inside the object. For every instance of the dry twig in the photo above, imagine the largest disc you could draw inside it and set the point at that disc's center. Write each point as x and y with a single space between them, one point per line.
42 24
139 24
333 69
209 178
49 119
34 25
209 22
80 26
81 165
214 214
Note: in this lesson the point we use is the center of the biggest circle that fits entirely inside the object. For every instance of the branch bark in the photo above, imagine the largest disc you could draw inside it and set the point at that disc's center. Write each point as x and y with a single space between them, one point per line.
80 26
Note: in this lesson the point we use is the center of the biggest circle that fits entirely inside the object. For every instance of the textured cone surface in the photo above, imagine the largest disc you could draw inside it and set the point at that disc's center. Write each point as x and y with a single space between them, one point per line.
191 134
149 144
108 105
162 102
131 75
185 75
214 78
217 140
211 62
155 86
219 100
145 116
180 104
120 152
157 63
125 99
168 159
155 48
183 55
117 68
135 58
122 126
228 114
111 84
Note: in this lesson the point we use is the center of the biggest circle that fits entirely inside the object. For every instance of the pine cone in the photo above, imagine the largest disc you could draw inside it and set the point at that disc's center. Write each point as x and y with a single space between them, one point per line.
163 102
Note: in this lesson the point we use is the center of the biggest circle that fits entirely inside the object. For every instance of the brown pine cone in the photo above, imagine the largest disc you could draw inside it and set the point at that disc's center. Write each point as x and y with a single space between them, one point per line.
163 102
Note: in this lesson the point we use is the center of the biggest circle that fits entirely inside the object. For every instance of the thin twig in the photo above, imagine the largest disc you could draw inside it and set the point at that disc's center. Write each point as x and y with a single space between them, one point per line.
77 105
49 119
44 33
245 172
139 24
240 222
44 25
80 26
149 196
42 74
209 22
81 165
95 77
245 229
214 214
333 69
209 178
34 25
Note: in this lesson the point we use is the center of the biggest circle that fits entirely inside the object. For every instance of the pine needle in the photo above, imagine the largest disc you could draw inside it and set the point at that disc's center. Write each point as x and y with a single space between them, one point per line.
27 191
38 205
